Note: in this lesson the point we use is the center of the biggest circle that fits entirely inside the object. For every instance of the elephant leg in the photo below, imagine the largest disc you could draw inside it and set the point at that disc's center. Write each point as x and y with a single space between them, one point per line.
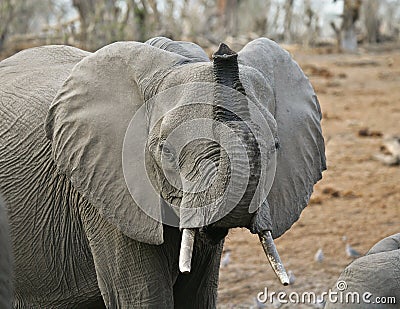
131 274
198 289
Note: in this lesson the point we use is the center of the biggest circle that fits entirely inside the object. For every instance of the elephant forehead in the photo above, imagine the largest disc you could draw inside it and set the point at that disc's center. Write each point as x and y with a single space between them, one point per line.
189 73
185 93
188 116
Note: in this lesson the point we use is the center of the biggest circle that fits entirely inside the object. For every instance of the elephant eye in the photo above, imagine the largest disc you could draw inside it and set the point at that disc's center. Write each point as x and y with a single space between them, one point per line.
167 152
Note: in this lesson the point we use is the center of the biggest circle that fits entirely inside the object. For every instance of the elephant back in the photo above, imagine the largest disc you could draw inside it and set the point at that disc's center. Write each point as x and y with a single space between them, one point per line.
29 81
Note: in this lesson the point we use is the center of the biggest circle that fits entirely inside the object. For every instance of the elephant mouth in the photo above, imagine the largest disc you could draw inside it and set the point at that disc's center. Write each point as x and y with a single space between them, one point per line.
213 234
267 242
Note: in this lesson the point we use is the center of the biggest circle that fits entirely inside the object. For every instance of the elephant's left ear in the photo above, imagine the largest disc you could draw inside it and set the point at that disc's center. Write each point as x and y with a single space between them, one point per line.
87 123
187 49
301 153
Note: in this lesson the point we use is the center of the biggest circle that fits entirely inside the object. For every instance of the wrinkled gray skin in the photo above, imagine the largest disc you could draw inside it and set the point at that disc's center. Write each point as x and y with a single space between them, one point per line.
79 237
378 273
5 260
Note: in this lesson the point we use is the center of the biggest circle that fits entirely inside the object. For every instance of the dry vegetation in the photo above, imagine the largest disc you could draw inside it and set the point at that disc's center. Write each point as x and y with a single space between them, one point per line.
91 24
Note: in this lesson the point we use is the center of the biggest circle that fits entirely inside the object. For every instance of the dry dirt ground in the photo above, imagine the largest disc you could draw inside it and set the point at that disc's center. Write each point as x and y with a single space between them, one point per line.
358 196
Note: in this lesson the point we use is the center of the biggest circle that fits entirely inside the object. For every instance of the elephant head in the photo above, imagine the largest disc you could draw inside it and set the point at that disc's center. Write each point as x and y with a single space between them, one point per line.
157 133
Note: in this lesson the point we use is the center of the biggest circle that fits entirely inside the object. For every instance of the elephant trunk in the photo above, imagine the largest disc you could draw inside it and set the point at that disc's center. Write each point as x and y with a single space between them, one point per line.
235 170
231 110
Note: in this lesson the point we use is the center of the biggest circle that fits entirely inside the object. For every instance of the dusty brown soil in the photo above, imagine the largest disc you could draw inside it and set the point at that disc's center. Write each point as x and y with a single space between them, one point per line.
358 196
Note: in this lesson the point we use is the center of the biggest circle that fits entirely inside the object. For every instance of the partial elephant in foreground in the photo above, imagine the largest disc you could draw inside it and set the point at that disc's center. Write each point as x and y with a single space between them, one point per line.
5 261
124 169
375 277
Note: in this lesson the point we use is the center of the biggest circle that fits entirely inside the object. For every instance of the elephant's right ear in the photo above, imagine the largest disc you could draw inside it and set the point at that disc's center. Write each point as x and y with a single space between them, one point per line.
301 153
87 122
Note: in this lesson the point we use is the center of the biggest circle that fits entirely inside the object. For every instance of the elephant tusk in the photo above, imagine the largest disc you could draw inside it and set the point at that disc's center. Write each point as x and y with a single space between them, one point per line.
185 254
273 256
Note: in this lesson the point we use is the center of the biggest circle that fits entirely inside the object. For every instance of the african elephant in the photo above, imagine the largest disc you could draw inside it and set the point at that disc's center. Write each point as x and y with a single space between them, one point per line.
106 206
5 261
375 278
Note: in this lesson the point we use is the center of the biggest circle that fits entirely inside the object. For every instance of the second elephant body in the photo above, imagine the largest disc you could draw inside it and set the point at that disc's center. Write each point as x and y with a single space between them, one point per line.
371 281
6 261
